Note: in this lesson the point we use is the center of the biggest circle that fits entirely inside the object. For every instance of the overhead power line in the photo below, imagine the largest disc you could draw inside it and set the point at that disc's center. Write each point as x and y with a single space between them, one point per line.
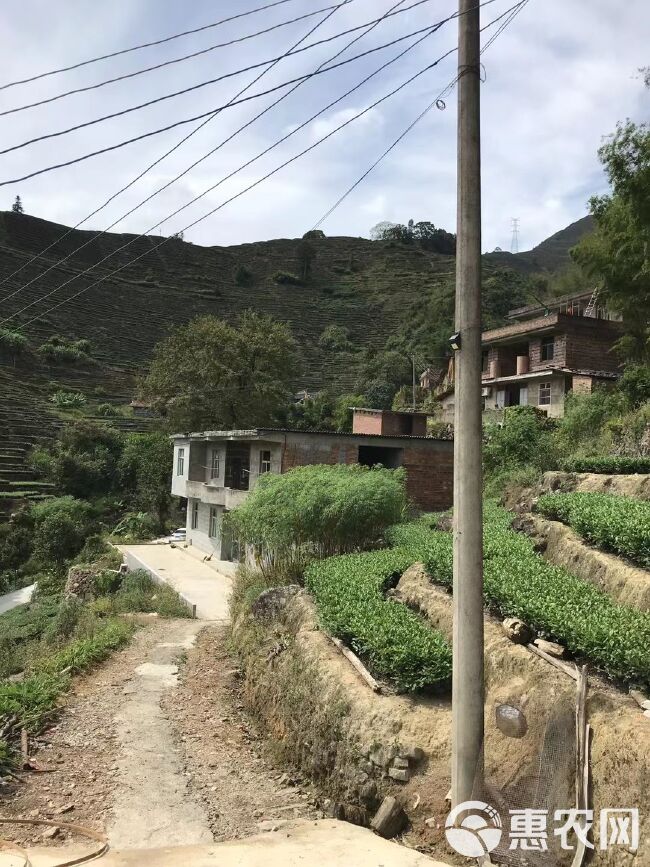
164 156
205 156
206 51
438 102
227 177
198 86
223 204
142 45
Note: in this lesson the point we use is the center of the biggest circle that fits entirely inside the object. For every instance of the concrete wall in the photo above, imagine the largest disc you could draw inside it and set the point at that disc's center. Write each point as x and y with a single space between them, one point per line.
200 537
179 482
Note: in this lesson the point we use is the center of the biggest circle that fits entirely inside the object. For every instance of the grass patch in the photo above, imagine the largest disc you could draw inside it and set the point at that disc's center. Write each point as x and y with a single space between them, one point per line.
139 593
613 523
31 702
394 641
520 583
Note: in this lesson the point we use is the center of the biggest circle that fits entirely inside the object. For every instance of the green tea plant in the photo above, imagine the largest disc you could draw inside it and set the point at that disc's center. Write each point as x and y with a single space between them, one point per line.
519 583
614 464
395 642
614 523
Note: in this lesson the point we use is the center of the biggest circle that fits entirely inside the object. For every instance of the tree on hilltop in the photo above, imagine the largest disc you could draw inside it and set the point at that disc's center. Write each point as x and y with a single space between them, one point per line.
17 206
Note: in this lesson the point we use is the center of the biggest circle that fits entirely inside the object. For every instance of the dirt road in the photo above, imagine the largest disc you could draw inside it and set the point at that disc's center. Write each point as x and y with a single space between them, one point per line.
154 747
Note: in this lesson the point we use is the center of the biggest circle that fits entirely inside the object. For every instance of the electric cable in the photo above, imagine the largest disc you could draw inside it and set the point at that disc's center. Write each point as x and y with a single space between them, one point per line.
509 15
194 87
142 45
236 195
284 138
251 186
203 51
169 183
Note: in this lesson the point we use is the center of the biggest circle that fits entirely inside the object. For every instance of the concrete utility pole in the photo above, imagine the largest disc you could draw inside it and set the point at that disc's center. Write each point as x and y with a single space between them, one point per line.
468 688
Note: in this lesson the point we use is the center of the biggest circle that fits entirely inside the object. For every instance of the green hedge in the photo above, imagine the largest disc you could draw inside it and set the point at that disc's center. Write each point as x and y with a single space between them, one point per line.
519 583
618 524
614 465
395 642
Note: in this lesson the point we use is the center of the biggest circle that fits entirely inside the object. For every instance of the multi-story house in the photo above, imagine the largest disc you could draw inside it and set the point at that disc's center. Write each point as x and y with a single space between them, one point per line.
548 350
215 470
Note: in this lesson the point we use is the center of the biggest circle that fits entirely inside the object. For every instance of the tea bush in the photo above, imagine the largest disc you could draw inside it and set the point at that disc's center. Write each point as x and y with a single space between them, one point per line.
519 583
614 464
395 642
618 524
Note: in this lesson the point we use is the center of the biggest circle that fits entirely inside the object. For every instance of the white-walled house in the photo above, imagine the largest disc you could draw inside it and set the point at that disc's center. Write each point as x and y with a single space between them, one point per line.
215 470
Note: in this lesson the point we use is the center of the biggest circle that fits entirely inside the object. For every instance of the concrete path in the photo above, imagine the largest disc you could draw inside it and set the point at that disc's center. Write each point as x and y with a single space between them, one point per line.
16 598
296 844
153 807
197 582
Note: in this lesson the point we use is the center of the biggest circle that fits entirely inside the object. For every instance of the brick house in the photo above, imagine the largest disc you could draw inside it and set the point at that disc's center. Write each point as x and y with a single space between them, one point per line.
547 351
215 470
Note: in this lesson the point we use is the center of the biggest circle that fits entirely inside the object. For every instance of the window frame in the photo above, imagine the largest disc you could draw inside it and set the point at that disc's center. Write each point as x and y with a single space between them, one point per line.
194 515
215 465
213 523
265 464
180 461
547 343
541 399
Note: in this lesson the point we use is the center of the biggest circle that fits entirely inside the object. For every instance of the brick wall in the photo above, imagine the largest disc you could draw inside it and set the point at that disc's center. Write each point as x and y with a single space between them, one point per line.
366 422
428 463
535 353
307 452
429 477
582 384
590 343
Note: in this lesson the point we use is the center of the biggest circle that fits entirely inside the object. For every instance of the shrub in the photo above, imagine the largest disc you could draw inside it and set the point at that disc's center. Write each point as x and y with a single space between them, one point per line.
59 349
68 399
286 278
519 583
618 524
145 470
314 235
614 464
107 410
83 460
319 510
335 338
395 642
60 528
243 276
136 526
524 439
12 342
635 384
582 429
138 592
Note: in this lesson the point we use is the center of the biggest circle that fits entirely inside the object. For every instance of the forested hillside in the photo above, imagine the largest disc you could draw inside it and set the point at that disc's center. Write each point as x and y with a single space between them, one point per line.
381 295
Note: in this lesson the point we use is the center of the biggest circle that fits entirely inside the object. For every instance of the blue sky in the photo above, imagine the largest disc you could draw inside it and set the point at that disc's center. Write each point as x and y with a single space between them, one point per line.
557 80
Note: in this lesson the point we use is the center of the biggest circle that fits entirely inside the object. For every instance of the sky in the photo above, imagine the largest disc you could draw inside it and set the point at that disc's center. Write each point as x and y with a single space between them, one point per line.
557 80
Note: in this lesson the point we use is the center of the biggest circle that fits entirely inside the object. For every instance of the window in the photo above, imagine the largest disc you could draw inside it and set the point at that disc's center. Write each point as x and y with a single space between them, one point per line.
214 522
548 349
265 462
544 393
215 462
180 462
485 365
195 515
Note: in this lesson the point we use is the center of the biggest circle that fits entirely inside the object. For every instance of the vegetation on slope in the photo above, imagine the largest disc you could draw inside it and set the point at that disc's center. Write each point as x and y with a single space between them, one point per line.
614 523
520 583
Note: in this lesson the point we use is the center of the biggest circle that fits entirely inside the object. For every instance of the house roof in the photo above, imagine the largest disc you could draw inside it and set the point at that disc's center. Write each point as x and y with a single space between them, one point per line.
259 433
550 304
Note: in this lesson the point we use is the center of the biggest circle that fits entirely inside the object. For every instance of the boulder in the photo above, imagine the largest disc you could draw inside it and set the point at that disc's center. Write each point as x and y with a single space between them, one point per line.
389 819
517 630
270 604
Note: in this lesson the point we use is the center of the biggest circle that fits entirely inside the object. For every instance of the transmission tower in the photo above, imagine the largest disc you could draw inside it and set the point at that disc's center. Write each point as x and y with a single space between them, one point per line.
514 244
